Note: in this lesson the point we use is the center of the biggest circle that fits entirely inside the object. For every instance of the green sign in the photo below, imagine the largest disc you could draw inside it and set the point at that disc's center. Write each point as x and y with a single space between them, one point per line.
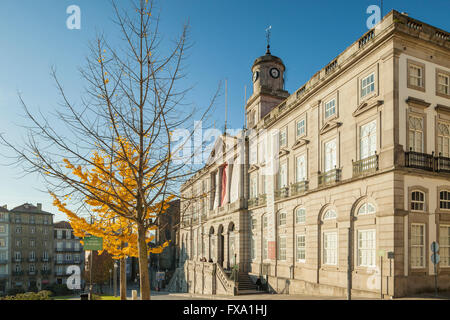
93 243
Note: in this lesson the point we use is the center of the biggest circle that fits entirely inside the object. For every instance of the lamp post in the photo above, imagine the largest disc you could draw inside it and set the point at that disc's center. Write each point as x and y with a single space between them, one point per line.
110 280
115 279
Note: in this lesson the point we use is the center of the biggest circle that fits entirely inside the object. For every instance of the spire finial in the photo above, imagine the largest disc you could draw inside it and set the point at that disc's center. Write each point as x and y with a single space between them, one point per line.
268 33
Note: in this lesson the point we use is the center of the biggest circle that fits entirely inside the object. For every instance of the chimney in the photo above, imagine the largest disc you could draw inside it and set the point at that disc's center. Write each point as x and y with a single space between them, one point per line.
39 206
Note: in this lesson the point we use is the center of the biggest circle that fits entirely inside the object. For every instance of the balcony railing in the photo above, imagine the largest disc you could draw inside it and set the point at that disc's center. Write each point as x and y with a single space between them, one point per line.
427 162
17 259
419 160
32 259
329 177
48 259
17 273
259 201
367 165
282 193
443 164
3 261
299 187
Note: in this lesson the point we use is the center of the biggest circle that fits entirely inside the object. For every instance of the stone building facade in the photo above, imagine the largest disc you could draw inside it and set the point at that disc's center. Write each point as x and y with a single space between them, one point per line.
68 251
5 270
341 186
31 244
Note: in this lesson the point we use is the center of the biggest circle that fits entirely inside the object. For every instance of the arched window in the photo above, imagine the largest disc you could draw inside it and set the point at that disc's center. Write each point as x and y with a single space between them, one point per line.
300 215
417 201
366 208
329 215
282 218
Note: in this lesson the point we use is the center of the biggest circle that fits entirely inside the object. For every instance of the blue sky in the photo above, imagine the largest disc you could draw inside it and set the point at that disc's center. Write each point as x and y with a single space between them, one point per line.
227 36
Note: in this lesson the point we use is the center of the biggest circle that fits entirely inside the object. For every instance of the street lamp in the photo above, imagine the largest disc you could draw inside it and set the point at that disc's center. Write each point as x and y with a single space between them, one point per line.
115 279
110 280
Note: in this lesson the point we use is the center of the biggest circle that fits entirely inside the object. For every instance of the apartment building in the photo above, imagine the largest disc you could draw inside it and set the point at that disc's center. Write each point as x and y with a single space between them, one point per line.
359 180
31 247
5 270
68 251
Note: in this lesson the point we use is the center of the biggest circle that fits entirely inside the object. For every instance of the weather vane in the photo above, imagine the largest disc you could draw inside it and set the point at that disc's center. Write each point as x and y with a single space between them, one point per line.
268 39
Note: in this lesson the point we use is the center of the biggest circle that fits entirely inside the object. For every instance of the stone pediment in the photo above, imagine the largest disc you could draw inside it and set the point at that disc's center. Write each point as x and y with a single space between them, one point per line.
367 105
330 125
252 168
300 143
442 108
283 152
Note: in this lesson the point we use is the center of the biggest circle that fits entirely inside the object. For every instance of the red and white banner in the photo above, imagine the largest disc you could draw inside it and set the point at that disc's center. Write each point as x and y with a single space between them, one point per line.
224 198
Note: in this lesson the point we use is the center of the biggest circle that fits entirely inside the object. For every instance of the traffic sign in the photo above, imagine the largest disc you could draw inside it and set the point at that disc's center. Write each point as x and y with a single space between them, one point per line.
434 247
93 243
381 253
435 258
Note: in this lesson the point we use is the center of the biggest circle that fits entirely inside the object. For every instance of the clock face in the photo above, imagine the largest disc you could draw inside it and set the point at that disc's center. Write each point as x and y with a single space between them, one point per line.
255 76
275 73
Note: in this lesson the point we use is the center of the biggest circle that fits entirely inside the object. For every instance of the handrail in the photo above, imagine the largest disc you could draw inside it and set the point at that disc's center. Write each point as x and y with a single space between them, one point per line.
228 284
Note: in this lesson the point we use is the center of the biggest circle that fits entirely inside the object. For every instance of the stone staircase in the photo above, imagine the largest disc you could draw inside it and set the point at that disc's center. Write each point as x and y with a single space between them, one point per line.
245 284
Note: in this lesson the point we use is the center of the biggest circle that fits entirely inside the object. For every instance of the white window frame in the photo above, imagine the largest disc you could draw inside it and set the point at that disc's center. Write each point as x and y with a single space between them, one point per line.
415 133
300 127
282 249
330 155
416 204
368 139
282 218
300 253
420 261
444 246
366 209
300 218
330 253
366 246
283 137
300 168
443 139
330 108
283 175
444 202
443 88
416 80
367 87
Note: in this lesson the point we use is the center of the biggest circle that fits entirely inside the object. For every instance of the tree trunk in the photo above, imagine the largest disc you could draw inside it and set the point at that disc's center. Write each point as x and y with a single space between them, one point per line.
144 279
123 279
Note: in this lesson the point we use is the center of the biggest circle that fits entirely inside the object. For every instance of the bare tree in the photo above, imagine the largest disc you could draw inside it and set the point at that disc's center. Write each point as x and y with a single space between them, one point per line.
133 101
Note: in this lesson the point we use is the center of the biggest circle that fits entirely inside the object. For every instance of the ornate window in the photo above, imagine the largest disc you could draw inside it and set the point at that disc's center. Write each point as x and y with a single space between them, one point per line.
443 139
417 201
416 134
366 208
300 168
368 140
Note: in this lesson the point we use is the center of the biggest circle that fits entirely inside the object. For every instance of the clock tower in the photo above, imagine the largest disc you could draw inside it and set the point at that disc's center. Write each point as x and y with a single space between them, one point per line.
268 87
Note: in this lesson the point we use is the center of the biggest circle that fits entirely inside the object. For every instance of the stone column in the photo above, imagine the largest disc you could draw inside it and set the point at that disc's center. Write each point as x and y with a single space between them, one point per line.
226 259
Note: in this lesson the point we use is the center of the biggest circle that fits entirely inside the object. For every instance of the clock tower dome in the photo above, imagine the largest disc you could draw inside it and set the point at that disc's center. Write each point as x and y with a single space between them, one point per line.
268 87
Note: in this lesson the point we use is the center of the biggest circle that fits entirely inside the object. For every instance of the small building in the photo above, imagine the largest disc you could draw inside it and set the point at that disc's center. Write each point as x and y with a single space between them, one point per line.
5 257
68 251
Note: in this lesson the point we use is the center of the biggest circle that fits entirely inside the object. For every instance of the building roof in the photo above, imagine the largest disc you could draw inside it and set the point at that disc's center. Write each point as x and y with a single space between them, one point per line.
29 208
2 209
62 225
